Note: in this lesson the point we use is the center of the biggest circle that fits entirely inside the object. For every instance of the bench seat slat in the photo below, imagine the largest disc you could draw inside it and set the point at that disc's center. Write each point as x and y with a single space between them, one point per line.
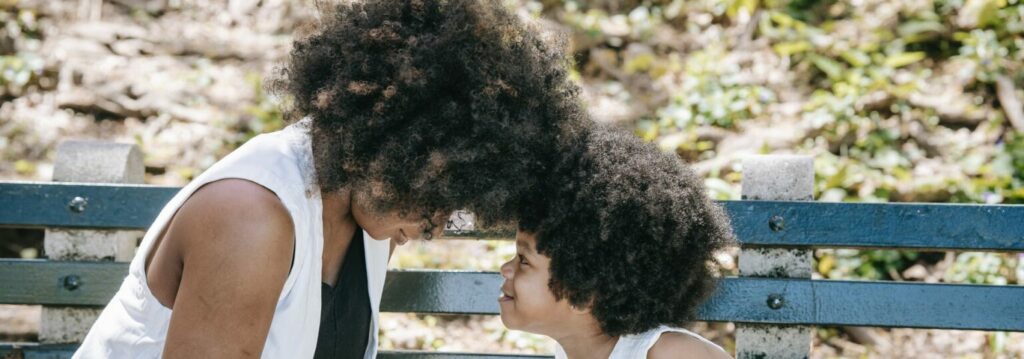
997 228
813 302
62 351
107 206
53 282
868 303
931 226
38 351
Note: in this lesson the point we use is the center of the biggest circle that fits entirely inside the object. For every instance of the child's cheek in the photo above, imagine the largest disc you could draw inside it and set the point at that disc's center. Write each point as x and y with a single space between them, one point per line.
537 298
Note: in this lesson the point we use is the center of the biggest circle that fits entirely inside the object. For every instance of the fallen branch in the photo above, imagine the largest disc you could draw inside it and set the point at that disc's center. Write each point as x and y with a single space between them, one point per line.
1010 103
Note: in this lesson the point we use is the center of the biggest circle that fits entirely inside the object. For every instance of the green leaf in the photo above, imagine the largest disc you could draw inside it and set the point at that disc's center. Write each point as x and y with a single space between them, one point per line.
639 63
918 31
782 19
904 59
830 67
856 58
919 27
647 130
24 168
979 13
792 47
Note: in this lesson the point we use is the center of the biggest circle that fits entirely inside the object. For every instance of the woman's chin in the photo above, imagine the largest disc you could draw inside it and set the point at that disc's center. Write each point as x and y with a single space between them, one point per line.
380 236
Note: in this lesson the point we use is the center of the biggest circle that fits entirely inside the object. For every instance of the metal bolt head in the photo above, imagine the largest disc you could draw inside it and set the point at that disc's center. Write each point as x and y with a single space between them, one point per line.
72 282
776 223
77 204
775 301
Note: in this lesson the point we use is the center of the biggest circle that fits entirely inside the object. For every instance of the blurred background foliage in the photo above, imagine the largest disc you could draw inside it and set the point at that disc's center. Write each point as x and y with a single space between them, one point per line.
903 101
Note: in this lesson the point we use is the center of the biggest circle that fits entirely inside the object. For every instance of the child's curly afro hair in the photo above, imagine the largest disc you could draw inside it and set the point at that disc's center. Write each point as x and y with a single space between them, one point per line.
630 232
430 105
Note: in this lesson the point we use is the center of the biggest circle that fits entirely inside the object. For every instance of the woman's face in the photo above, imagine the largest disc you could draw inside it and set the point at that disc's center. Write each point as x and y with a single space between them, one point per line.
399 227
526 302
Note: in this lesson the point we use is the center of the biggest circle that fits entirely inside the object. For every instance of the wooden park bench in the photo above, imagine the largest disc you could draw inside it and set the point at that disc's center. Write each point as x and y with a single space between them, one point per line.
92 229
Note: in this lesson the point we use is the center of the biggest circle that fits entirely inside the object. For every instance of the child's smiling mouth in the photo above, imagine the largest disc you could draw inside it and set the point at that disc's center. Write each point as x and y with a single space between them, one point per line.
505 296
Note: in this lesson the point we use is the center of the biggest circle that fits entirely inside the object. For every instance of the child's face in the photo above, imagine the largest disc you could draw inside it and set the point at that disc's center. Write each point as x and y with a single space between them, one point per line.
526 301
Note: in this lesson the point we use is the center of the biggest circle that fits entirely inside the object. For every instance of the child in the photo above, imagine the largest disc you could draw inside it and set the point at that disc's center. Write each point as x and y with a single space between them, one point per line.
615 253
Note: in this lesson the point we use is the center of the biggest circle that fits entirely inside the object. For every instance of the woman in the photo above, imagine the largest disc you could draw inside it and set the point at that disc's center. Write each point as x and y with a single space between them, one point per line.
409 110
615 254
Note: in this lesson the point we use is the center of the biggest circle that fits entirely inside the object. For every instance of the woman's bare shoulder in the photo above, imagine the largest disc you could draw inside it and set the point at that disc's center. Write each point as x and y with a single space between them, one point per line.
232 220
235 209
679 345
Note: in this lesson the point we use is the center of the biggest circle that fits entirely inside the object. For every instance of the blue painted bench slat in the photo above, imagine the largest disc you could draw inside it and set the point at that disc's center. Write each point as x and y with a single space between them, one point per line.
998 228
816 302
121 206
63 351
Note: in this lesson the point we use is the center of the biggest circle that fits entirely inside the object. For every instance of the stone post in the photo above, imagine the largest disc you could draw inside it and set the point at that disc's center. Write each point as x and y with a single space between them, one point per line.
776 178
92 162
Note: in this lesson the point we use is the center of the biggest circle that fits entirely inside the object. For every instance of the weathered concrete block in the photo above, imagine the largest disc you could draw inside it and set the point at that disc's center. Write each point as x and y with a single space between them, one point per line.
66 324
98 162
775 178
778 178
769 342
91 245
775 263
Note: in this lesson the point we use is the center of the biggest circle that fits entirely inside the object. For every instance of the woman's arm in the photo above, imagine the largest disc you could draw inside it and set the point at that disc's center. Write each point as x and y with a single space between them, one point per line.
235 240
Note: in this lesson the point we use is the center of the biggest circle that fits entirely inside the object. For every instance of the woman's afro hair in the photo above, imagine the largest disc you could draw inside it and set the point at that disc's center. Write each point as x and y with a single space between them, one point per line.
430 105
630 232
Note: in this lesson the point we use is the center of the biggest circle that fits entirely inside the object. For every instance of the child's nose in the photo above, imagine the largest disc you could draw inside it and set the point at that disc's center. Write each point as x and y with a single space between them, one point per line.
507 270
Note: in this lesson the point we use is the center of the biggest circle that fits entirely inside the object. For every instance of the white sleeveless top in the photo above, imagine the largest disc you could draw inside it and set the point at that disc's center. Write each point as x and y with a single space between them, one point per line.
134 324
635 346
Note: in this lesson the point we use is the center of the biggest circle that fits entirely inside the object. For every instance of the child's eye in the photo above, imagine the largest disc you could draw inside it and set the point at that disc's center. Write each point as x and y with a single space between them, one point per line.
522 260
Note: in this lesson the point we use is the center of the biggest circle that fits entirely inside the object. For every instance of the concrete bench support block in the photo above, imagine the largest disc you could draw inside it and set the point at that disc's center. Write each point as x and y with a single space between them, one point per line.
66 324
98 162
91 245
776 178
93 162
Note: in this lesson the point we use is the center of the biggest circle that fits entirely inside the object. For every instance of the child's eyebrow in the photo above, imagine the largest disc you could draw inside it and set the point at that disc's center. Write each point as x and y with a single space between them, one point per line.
525 245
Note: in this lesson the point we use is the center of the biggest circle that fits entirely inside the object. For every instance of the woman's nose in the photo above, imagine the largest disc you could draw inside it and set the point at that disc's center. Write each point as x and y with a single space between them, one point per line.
436 232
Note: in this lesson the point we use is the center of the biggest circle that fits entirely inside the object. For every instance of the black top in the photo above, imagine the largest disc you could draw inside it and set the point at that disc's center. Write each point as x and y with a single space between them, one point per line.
345 308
